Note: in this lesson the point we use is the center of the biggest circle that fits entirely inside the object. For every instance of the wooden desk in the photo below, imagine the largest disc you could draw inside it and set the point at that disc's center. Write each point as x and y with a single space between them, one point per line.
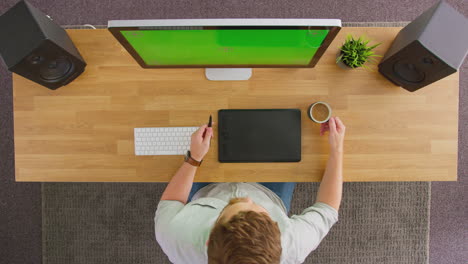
84 131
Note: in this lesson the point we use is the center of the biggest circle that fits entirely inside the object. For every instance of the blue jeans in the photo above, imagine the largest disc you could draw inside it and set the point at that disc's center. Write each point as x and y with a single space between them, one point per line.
284 190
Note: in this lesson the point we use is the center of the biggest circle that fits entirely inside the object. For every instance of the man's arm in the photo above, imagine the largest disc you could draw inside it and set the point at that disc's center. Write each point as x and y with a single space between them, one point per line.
310 227
179 187
331 187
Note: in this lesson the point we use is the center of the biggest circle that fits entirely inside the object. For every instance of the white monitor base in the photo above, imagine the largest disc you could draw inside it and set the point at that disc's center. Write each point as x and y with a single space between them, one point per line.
228 74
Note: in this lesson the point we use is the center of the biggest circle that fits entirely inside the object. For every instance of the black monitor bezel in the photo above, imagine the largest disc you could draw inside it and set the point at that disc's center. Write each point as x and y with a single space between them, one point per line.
333 31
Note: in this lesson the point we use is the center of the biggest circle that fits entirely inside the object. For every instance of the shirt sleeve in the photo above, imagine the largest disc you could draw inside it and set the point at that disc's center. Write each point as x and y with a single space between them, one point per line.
311 227
165 212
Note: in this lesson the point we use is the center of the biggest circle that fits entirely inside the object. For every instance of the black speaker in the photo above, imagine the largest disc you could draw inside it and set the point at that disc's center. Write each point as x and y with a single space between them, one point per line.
33 46
428 49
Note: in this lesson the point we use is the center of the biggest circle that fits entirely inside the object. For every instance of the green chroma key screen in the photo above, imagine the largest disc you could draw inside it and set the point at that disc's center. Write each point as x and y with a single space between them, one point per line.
290 47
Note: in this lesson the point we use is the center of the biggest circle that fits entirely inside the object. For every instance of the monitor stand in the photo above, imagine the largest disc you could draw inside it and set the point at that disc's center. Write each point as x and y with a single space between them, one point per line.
228 74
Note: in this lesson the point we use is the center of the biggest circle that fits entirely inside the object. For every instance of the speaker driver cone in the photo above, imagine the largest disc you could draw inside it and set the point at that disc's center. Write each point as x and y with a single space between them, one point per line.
55 70
408 72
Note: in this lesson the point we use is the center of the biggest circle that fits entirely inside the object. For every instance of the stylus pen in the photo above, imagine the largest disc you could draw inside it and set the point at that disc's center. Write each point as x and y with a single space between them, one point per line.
210 123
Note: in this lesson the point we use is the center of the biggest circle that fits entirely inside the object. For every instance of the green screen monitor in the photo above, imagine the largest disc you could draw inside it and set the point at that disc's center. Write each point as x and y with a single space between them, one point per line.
228 48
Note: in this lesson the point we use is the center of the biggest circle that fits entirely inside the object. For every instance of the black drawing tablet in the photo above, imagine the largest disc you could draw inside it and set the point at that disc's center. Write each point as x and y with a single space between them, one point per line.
259 135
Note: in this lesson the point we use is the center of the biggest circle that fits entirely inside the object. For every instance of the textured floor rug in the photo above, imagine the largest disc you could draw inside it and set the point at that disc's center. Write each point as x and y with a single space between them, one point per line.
378 223
100 223
113 223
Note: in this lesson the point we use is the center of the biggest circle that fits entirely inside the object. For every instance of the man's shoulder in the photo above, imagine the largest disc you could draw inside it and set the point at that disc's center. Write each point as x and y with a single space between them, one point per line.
186 228
194 217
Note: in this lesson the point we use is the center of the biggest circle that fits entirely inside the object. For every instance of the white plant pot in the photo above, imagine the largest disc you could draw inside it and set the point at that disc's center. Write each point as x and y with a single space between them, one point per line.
341 64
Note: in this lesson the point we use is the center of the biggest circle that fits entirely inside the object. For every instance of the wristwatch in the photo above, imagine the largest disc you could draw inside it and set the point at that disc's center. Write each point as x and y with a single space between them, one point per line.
192 161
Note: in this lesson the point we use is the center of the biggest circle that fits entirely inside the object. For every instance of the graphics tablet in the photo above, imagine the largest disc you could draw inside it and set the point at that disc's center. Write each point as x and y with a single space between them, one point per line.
259 135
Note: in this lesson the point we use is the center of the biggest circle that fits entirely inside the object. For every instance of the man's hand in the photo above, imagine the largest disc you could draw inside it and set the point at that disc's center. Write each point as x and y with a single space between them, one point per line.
337 132
200 144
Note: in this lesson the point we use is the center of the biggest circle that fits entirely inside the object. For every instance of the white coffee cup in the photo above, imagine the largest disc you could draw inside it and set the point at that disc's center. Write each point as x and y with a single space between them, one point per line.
319 104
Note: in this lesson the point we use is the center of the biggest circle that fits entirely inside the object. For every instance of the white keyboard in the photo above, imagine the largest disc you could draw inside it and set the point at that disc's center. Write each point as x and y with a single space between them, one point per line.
163 140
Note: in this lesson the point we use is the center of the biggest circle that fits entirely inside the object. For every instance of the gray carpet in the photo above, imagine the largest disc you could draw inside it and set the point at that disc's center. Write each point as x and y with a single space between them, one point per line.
378 223
100 223
113 223
20 211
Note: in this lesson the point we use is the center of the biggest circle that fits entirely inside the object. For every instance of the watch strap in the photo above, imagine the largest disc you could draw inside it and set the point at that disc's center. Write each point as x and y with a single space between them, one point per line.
192 161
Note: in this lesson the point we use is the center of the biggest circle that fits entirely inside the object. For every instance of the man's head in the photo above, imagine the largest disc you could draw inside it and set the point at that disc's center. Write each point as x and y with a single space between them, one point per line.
244 233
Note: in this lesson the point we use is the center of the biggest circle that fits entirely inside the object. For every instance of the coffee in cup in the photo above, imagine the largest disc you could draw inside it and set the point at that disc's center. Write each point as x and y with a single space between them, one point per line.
319 112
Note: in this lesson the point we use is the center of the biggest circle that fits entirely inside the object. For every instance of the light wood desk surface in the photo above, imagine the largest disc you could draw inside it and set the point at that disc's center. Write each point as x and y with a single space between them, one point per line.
84 131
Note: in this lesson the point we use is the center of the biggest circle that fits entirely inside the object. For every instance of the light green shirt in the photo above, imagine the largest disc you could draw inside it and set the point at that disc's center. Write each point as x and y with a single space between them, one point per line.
182 230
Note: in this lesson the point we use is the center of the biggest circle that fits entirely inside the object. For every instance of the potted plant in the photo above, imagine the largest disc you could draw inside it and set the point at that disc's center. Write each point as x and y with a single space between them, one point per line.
355 53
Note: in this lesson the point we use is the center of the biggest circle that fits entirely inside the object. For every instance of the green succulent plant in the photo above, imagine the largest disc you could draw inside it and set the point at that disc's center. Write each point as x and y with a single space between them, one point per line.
355 52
